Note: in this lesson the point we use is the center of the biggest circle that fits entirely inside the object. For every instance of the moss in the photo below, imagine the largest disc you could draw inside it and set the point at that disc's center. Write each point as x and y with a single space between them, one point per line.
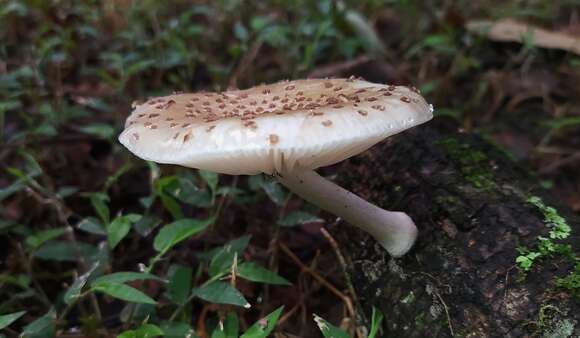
420 320
553 324
474 163
446 200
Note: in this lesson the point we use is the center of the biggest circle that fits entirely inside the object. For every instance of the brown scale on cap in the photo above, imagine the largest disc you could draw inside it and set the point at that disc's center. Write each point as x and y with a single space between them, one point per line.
307 97
274 139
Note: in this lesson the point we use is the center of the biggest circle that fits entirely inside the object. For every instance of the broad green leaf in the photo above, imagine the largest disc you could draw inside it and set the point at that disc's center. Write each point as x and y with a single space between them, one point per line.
43 327
263 327
178 231
146 224
66 191
124 277
40 237
298 218
221 293
179 286
6 320
218 332
238 245
144 331
119 228
92 226
65 251
177 330
255 273
274 191
74 291
222 261
210 177
99 202
377 318
231 325
101 130
136 313
123 292
149 330
171 205
328 330
127 334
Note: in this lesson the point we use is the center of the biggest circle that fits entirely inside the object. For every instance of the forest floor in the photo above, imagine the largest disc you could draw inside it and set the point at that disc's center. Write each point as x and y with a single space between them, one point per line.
71 196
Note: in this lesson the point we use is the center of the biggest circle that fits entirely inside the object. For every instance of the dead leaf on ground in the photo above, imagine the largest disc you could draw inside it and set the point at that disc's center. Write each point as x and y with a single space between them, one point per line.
510 30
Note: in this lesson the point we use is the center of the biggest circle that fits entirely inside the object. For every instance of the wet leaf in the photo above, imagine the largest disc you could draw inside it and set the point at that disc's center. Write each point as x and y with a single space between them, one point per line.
263 327
123 292
255 273
221 293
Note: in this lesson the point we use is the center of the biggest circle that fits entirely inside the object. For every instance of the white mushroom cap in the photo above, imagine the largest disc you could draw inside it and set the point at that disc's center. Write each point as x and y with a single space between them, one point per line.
303 124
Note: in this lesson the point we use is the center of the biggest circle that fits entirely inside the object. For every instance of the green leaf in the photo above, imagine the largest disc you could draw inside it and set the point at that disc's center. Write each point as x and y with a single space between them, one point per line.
39 238
99 202
328 330
171 205
263 327
377 318
222 261
74 291
211 178
43 327
144 331
123 292
221 293
146 224
255 273
6 320
231 325
65 251
92 226
177 330
274 191
179 286
178 231
298 218
124 277
128 334
119 228
66 191
238 245
101 130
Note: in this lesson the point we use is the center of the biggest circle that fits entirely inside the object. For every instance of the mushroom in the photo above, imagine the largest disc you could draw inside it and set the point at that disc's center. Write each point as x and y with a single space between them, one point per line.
286 129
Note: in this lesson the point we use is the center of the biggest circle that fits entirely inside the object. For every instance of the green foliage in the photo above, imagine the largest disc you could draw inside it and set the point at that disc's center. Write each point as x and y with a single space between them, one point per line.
263 327
547 247
143 331
571 282
328 330
220 293
6 320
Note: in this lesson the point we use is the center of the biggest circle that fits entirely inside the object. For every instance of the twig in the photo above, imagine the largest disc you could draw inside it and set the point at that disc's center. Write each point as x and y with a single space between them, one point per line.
201 332
248 58
343 265
553 167
319 278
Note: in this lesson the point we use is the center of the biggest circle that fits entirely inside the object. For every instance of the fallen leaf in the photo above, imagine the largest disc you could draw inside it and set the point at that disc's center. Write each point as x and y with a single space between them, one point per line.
510 30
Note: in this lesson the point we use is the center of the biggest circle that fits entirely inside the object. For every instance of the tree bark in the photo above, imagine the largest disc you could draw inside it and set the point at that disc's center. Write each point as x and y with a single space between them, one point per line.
471 204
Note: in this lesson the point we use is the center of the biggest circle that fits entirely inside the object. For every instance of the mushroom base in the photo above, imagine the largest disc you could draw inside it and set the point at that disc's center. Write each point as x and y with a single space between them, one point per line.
395 231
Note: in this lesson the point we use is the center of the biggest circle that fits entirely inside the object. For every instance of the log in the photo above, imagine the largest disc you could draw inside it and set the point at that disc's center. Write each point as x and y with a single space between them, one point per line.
474 207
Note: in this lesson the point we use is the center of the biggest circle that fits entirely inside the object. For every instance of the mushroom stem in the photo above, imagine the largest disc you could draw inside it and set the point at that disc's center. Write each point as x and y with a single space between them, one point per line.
395 231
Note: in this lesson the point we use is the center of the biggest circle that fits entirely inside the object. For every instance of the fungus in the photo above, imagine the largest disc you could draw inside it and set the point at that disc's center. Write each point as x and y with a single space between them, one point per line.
286 138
